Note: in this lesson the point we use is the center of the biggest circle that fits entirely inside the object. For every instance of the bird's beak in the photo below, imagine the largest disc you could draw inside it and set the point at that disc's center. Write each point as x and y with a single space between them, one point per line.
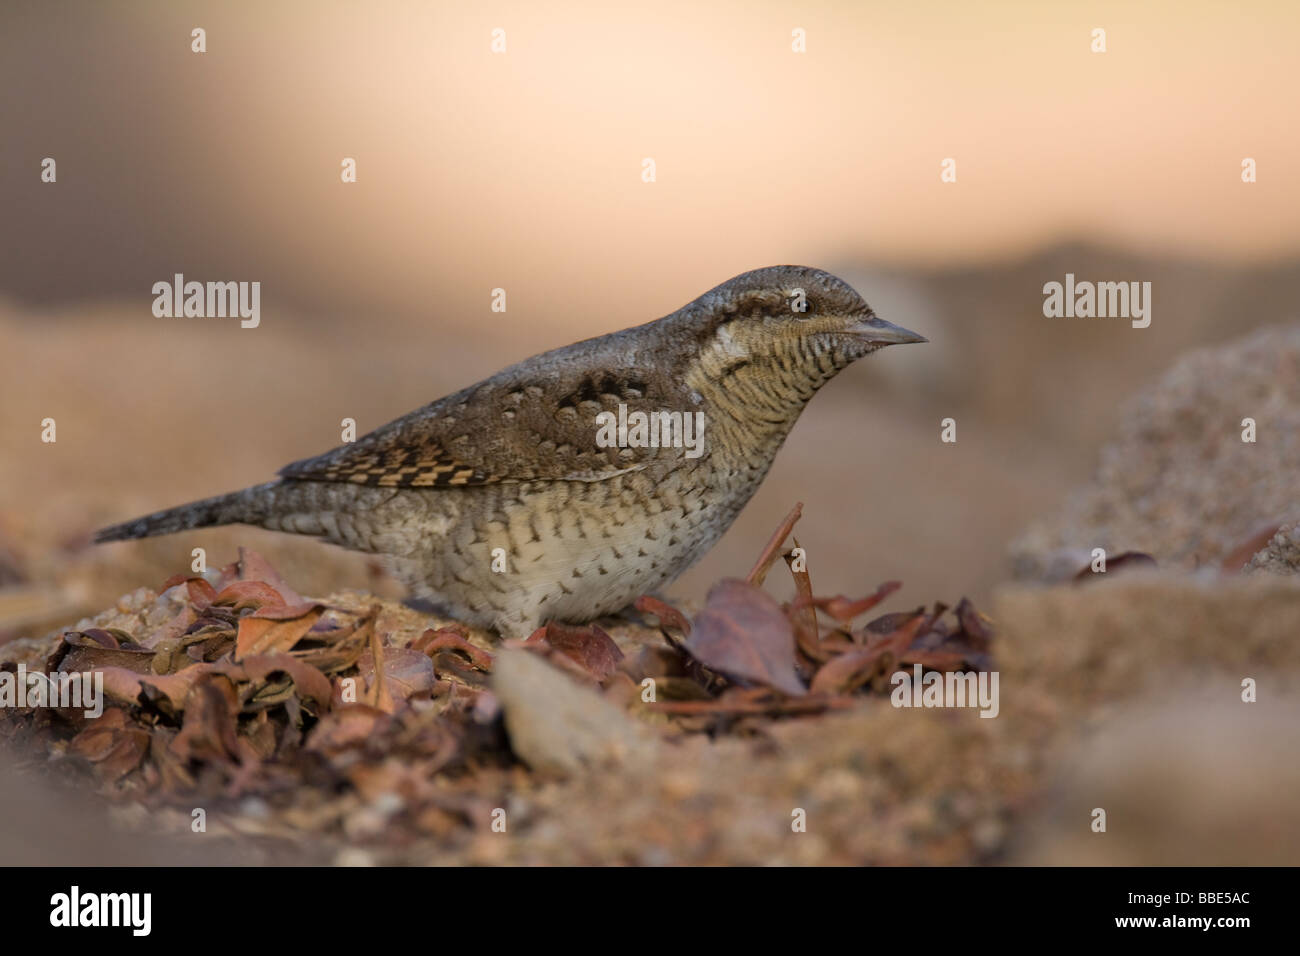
879 332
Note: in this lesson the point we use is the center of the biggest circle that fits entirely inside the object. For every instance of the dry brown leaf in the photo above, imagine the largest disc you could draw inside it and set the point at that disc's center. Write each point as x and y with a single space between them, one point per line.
346 726
113 744
87 651
121 685
274 629
844 609
174 687
431 642
209 731
245 594
406 673
199 590
183 620
343 647
743 633
669 617
976 629
310 682
851 670
588 646
253 567
935 660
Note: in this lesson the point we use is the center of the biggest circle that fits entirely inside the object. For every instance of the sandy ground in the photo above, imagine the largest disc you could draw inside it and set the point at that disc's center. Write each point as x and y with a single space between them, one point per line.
1123 695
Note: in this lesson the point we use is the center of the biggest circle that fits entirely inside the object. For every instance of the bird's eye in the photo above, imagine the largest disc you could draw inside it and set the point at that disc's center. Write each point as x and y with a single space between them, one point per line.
799 303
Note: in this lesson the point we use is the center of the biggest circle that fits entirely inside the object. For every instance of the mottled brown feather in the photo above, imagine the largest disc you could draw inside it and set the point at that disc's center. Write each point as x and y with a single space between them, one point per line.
504 430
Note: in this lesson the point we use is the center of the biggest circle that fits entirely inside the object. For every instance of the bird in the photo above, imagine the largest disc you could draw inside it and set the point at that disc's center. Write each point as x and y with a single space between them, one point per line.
539 494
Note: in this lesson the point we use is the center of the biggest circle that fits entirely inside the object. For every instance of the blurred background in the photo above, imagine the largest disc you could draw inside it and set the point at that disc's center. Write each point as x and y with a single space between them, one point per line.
522 170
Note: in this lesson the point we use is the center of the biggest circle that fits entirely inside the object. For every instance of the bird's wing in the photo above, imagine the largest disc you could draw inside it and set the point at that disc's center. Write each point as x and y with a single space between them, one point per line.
506 429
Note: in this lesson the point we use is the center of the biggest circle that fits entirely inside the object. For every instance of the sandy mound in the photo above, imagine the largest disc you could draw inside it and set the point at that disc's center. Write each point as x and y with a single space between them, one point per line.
1178 482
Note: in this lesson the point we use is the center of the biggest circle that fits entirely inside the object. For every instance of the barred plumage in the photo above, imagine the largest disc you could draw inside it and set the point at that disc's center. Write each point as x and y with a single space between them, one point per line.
511 470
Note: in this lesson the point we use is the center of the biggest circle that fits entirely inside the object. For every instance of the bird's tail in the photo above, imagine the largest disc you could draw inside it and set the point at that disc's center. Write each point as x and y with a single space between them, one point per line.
249 506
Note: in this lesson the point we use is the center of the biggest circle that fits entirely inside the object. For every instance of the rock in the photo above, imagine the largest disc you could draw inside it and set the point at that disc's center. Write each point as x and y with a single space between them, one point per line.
1281 555
559 727
1178 482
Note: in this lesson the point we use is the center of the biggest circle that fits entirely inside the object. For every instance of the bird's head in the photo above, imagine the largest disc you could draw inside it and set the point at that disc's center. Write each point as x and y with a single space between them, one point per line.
790 327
